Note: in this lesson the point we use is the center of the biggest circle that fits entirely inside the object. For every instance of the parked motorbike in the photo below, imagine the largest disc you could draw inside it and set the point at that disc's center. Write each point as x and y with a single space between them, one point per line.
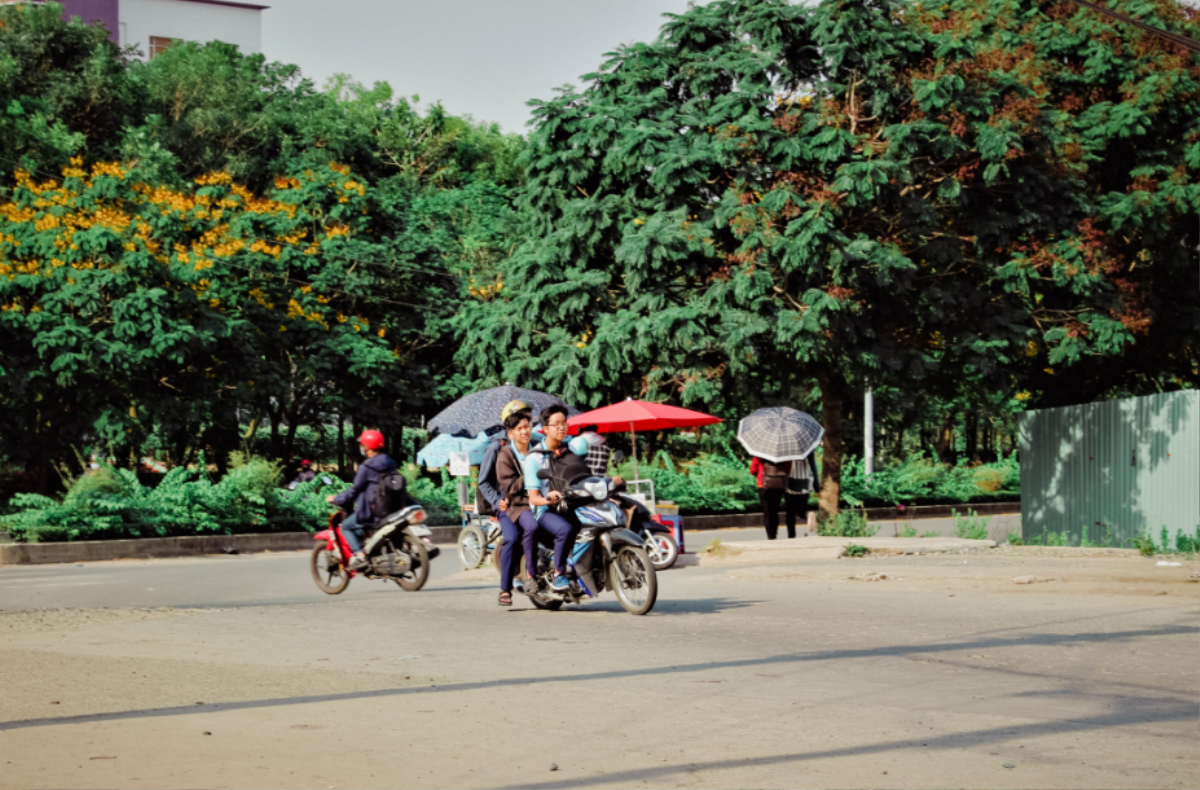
399 549
660 543
606 555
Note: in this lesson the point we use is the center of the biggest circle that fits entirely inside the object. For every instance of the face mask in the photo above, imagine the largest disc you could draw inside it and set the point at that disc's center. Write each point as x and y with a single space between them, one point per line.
362 451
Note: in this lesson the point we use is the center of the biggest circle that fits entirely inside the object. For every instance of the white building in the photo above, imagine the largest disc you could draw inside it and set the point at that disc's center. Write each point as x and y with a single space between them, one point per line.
152 25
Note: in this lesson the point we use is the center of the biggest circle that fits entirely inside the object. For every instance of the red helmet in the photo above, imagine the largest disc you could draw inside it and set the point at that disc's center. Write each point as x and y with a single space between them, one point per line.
372 440
306 463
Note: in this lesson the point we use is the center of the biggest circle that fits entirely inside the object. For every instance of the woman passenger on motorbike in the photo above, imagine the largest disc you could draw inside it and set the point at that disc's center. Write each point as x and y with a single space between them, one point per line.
510 484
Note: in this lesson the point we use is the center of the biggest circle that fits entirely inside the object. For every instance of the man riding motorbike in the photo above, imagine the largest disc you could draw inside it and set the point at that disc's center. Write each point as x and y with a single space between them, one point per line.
377 465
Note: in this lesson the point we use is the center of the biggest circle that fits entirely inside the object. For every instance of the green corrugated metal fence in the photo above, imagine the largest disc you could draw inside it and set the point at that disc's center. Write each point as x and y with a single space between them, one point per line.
1120 465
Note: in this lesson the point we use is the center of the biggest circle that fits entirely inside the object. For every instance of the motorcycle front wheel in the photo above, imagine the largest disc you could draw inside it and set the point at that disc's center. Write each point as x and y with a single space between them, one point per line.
328 571
418 573
472 547
633 579
663 550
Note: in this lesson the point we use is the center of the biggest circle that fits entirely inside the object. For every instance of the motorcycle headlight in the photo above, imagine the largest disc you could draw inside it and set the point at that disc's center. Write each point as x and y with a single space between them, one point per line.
598 489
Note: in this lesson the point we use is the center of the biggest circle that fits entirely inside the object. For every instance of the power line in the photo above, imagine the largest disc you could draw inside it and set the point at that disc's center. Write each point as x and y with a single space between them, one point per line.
1174 38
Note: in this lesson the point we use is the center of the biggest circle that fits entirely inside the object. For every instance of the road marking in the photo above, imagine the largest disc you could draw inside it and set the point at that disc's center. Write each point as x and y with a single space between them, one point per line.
57 584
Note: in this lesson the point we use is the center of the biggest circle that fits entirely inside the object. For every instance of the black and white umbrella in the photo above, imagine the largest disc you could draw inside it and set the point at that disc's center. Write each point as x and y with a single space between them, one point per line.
480 411
780 434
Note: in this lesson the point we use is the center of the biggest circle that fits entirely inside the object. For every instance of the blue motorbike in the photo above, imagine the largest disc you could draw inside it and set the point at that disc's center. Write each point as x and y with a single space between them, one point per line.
606 554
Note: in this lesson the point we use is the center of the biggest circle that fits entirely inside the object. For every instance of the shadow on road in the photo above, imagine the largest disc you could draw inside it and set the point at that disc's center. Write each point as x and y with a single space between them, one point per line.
1134 714
1175 710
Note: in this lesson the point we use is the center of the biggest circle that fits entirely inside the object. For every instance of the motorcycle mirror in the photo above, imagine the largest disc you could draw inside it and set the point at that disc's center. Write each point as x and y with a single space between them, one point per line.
327 480
292 486
544 474
618 456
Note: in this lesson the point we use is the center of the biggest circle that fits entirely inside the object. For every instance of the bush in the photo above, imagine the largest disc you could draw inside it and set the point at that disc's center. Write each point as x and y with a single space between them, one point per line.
919 479
847 524
970 526
110 503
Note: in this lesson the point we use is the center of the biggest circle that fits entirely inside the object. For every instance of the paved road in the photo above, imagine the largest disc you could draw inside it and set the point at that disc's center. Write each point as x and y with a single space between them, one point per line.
773 676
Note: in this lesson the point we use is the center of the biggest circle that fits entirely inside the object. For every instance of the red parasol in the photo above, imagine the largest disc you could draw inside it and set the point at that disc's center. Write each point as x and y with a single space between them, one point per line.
639 415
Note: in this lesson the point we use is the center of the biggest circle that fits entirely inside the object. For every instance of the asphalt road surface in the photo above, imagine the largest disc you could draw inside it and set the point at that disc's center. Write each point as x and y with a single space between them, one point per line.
772 676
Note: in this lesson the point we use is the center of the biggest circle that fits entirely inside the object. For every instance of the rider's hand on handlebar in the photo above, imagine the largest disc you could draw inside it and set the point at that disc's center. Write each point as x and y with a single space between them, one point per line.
329 499
618 481
554 496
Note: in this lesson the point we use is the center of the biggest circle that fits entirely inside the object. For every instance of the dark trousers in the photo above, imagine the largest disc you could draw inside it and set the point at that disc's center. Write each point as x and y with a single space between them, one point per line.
771 499
558 527
795 505
510 535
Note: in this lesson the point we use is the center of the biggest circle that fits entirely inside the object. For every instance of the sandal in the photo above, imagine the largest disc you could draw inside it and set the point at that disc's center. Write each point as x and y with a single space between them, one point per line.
505 598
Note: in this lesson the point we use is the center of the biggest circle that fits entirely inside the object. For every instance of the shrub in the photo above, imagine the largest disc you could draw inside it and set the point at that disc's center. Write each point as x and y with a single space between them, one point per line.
110 503
847 524
970 526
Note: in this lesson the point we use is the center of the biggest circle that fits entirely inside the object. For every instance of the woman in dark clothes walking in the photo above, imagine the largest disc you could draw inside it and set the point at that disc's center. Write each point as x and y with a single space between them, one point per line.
772 483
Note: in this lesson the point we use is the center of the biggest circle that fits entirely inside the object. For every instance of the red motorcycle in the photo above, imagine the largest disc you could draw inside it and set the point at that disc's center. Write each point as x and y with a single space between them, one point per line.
399 549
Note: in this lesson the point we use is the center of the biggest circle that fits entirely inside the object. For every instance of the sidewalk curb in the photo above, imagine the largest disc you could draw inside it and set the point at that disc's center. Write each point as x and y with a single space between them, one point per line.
161 548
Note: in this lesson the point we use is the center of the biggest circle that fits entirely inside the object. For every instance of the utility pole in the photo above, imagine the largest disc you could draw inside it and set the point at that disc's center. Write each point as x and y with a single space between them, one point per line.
869 430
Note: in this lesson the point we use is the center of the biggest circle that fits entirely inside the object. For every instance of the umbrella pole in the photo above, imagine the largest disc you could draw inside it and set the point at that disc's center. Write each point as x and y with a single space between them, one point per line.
633 443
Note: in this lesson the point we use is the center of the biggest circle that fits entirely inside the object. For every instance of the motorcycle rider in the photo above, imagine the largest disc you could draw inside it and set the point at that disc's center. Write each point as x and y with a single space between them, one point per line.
306 472
377 465
554 422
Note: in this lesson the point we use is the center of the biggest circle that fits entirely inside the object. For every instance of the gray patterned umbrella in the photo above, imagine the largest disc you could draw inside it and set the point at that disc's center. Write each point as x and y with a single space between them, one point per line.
481 410
780 434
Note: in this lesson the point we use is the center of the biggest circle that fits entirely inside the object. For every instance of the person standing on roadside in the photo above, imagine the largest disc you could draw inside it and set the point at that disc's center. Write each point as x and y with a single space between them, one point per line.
802 481
772 483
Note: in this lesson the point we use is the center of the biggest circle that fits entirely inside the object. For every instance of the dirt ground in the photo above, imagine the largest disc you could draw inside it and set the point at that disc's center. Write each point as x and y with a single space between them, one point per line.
891 672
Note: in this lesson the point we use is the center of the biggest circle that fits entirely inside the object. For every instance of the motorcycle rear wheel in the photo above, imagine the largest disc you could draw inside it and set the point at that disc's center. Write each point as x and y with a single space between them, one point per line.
662 550
419 572
472 547
632 578
328 572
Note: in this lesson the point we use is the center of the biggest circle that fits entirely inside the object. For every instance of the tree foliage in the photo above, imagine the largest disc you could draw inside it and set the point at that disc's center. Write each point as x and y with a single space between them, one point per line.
770 195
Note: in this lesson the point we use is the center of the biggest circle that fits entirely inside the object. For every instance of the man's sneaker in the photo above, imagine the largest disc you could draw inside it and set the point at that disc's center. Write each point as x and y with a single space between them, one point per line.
358 563
561 583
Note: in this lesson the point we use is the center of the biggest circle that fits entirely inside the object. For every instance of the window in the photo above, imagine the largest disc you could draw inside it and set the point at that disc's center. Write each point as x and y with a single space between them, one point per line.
159 44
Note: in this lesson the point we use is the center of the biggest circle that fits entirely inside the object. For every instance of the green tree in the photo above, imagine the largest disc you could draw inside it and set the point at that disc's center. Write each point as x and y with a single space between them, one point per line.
771 195
62 88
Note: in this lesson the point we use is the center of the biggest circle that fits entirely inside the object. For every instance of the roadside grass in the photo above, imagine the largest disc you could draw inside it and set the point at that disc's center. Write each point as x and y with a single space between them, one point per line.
716 548
1145 542
856 550
970 526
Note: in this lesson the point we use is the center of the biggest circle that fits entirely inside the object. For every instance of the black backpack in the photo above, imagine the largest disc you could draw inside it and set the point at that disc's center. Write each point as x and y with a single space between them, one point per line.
391 494
566 469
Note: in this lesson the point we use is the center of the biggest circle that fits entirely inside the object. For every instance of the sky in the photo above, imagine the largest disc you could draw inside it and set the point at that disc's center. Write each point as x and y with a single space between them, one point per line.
484 58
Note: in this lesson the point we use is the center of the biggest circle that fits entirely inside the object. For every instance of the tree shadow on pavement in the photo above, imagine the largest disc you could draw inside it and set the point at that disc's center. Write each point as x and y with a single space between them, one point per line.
890 652
1133 714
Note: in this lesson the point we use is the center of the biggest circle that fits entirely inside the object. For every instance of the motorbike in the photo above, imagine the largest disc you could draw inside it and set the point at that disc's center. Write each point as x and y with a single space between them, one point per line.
399 549
660 543
606 554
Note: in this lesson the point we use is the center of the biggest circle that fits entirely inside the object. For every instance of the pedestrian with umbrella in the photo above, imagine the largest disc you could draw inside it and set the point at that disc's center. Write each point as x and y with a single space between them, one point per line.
778 439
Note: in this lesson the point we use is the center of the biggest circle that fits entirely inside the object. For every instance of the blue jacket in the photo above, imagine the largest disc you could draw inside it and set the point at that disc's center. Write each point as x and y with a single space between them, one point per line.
486 487
363 490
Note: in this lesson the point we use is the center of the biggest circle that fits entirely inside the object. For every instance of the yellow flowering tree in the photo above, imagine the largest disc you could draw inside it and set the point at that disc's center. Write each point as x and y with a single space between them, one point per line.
129 306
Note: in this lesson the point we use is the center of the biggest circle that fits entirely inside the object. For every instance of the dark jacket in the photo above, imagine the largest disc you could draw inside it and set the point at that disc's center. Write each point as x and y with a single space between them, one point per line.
363 490
488 487
511 479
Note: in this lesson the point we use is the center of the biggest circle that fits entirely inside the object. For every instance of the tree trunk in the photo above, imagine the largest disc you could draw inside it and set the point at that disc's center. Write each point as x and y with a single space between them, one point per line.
831 461
971 428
